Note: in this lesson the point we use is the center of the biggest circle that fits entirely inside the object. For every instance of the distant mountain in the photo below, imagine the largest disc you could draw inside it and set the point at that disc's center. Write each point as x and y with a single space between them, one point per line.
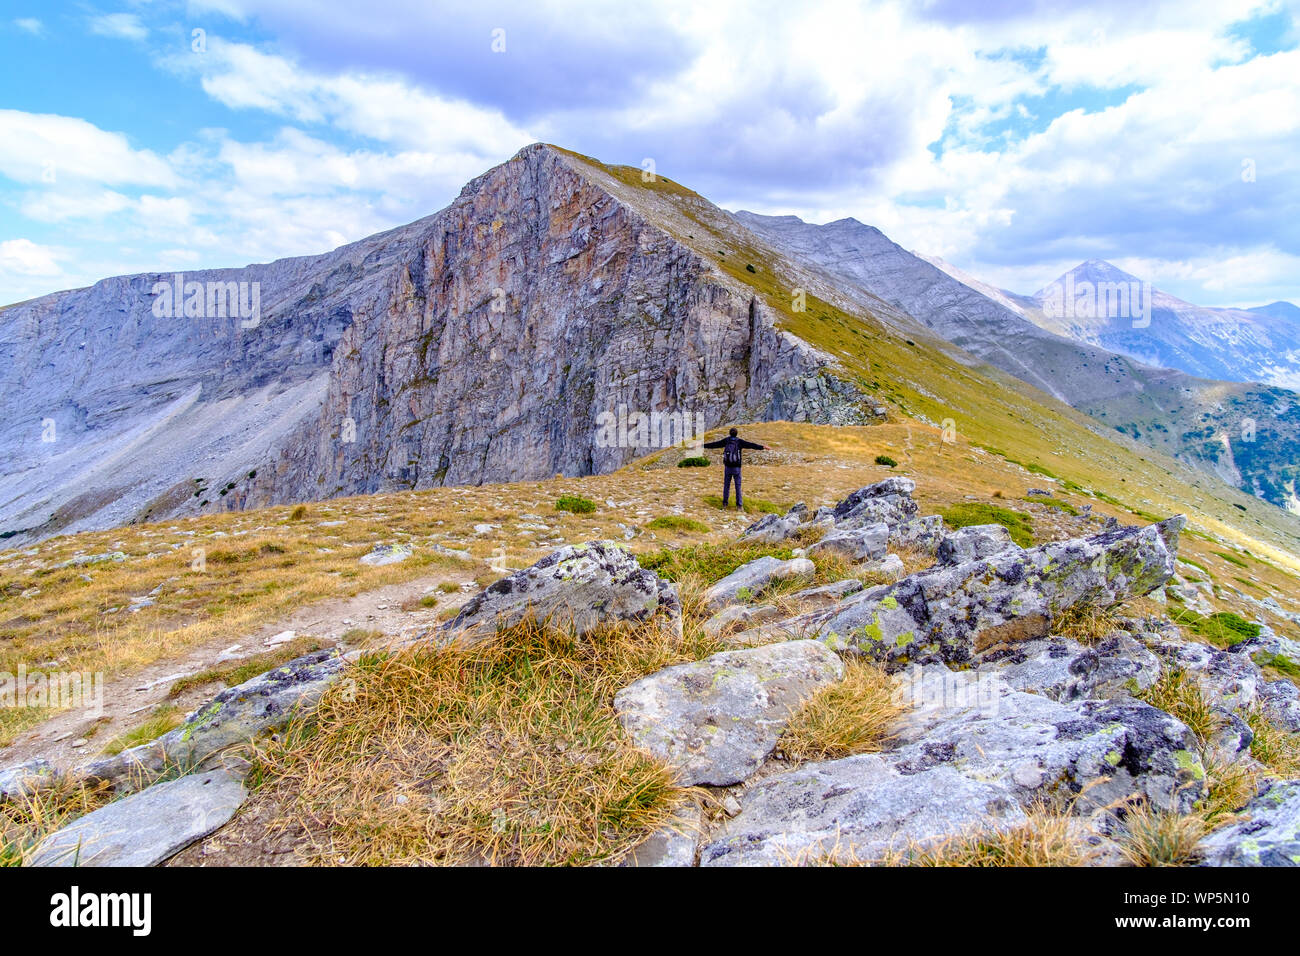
1279 310
1102 305
1247 435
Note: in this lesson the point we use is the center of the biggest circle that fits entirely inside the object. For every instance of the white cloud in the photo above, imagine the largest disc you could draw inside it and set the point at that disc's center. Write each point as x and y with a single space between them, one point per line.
30 25
45 148
25 257
121 26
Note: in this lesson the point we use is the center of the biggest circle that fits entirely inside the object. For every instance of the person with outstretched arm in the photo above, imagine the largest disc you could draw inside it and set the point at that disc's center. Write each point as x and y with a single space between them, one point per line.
731 460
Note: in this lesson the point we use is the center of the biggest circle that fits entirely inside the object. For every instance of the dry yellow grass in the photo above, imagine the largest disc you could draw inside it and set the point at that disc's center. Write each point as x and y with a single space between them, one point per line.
24 822
507 752
853 716
1153 837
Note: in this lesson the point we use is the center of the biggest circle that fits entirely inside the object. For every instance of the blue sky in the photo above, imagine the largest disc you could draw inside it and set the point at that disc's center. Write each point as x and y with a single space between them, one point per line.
1013 138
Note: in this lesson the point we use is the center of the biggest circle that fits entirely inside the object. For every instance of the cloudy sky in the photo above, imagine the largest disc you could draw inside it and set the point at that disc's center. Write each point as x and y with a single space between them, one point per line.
1013 138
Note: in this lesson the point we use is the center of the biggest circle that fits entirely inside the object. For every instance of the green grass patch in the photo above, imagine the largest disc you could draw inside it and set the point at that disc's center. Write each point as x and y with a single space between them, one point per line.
1231 558
1222 628
886 460
677 523
965 514
1056 503
165 717
712 562
695 461
753 506
576 504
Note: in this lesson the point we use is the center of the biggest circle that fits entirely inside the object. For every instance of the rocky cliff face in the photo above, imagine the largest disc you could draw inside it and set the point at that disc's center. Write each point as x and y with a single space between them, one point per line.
483 343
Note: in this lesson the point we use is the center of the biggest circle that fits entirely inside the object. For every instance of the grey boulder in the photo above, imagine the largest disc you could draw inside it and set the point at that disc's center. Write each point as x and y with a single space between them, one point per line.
857 543
974 542
579 585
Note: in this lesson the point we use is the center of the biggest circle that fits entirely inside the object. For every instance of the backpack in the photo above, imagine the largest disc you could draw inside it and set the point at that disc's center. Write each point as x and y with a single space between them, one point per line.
731 453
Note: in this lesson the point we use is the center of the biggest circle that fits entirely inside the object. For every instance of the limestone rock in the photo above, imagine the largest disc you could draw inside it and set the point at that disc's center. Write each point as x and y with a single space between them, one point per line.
751 578
716 720
383 554
857 807
857 543
974 542
579 586
146 828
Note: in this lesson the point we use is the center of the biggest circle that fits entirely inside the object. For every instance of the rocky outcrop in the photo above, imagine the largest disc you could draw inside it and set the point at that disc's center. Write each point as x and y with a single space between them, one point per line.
951 614
235 716
580 586
974 542
715 721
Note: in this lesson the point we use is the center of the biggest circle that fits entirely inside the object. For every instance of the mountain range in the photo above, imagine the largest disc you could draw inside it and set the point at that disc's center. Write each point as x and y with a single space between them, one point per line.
486 342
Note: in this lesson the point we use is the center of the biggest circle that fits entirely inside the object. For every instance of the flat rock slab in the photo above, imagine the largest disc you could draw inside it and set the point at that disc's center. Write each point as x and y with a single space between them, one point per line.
716 720
146 828
858 807
974 542
859 543
750 578
1267 832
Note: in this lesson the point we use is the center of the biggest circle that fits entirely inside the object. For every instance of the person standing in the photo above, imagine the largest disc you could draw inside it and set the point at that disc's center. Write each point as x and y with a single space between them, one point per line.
731 463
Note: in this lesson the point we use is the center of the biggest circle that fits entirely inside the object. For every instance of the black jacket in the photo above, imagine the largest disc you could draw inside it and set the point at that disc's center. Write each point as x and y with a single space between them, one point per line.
722 443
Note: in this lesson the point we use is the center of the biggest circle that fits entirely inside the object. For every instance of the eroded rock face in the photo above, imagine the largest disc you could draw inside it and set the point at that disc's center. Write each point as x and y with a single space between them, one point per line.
716 720
579 586
477 344
953 614
147 827
1267 833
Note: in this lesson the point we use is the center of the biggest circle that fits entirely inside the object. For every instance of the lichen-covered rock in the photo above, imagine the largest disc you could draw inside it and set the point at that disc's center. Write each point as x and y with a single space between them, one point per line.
777 528
751 578
1265 833
889 501
147 827
25 779
580 586
921 533
855 808
383 554
974 542
1033 746
953 614
1063 669
672 845
1280 702
716 720
857 543
238 714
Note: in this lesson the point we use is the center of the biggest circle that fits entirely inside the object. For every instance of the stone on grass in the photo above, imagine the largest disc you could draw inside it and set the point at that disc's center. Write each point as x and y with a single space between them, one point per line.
857 543
974 542
383 554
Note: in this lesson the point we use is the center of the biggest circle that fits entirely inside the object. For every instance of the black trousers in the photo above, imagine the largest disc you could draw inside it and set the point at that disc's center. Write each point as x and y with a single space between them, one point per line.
728 476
